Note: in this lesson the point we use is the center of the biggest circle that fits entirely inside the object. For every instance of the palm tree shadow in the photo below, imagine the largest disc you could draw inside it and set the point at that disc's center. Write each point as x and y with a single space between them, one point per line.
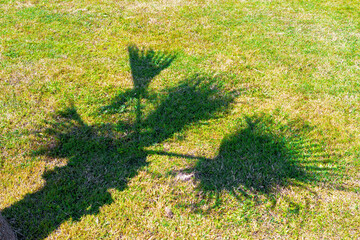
251 159
101 157
145 65
254 161
80 187
195 99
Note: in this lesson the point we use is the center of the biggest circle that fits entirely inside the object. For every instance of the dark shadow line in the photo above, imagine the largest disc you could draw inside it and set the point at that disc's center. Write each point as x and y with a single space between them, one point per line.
172 154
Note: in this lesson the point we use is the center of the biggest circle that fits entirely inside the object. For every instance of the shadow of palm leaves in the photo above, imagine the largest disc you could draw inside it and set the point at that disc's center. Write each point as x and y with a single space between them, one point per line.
81 186
253 160
146 64
195 99
101 157
260 158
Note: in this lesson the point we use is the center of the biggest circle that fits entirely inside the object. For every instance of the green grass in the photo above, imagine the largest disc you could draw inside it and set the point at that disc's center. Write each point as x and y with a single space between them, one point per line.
258 111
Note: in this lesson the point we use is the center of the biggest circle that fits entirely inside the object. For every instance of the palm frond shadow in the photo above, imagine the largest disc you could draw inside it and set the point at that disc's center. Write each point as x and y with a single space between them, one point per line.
254 161
101 157
81 187
195 99
146 64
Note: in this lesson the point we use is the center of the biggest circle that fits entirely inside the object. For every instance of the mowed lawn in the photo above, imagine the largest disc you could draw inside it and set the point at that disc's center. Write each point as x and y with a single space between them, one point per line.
248 128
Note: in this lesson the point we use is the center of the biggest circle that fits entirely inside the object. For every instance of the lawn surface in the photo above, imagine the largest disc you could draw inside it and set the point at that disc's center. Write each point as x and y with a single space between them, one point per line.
247 126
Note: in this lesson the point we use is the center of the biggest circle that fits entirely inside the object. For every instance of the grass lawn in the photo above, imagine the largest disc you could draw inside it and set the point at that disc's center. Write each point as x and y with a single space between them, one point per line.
246 127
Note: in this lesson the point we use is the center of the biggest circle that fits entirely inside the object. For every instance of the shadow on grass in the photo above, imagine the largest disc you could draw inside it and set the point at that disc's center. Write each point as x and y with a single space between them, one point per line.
253 159
81 187
120 104
259 159
197 98
100 157
145 65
